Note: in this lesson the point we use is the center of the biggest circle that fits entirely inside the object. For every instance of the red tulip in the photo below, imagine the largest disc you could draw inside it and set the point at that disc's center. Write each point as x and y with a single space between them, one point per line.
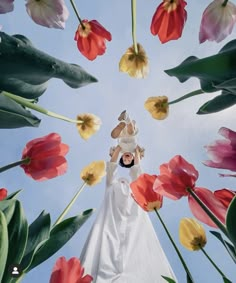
3 193
143 194
169 19
223 152
175 177
91 39
46 157
225 196
69 271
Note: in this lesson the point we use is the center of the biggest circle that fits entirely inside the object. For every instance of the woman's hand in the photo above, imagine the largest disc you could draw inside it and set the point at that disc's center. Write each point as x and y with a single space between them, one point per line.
115 154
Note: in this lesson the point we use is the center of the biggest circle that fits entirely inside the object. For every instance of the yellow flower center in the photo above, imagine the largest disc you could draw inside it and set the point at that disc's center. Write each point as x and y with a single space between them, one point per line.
84 30
170 5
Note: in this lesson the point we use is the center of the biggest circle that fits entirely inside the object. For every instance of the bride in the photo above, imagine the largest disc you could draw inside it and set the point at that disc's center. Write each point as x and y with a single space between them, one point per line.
122 246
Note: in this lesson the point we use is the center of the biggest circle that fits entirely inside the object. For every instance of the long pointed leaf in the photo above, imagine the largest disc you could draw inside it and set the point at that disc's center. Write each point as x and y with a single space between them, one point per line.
218 103
13 115
3 244
13 195
59 236
230 249
39 231
8 208
231 221
168 279
17 234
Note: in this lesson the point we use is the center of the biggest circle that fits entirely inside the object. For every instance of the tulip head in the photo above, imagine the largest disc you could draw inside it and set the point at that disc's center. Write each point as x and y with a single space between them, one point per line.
93 173
192 234
88 124
134 64
157 106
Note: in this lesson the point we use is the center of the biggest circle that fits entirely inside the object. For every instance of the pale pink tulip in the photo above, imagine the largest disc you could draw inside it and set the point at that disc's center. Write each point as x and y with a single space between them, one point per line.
6 6
217 21
223 152
51 14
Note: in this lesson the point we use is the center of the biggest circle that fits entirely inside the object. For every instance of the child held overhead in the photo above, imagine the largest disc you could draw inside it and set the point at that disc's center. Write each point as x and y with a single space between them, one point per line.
126 134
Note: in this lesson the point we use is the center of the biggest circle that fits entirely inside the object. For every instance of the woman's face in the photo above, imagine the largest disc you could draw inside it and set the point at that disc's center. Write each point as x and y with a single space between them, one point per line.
127 158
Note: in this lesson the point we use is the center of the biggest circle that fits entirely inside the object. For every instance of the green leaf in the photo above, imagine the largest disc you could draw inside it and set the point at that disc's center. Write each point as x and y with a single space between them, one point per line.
8 208
211 70
25 70
168 279
231 221
17 235
39 231
3 244
226 280
229 86
230 249
220 102
59 236
13 115
13 195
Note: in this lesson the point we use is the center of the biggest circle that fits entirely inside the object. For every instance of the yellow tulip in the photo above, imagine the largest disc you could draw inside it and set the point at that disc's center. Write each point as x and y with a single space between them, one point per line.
88 125
135 64
157 106
93 173
192 234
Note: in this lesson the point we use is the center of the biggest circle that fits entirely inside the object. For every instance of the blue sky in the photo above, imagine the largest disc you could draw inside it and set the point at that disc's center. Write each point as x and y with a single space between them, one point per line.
183 132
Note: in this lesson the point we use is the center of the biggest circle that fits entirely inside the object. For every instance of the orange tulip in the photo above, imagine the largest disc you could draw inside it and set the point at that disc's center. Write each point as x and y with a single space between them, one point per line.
143 194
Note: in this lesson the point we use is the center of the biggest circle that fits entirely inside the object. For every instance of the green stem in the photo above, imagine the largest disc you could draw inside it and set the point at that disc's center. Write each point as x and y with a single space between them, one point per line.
133 8
190 94
208 212
224 3
25 102
174 245
65 211
14 164
77 13
212 262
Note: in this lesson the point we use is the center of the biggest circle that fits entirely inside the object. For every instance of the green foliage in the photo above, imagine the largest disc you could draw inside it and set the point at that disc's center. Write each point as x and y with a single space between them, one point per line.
3 244
231 221
31 245
59 236
217 72
168 279
230 249
25 71
13 115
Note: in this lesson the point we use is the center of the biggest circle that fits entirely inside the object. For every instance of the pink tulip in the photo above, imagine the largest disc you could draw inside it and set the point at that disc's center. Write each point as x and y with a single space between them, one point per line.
6 6
69 271
46 157
51 14
175 177
218 21
223 152
212 202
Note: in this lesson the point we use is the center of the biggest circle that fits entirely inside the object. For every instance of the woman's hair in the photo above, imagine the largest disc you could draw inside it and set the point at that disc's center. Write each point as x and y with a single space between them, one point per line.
121 163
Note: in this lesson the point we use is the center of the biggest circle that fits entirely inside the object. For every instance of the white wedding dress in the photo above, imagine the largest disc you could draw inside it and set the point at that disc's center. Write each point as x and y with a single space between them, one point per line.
122 246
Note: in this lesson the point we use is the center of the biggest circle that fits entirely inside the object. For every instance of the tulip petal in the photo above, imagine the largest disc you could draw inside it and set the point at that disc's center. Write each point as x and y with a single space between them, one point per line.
225 196
208 198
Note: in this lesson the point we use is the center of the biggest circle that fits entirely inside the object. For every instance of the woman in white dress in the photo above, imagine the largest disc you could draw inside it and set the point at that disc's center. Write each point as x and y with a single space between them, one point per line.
122 246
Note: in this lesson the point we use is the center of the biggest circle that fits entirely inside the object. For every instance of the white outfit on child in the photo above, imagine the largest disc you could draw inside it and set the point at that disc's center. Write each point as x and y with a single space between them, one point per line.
127 142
